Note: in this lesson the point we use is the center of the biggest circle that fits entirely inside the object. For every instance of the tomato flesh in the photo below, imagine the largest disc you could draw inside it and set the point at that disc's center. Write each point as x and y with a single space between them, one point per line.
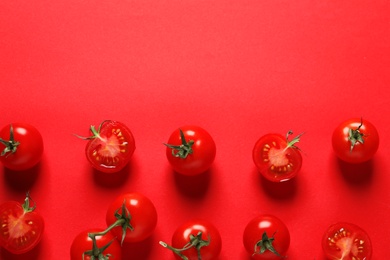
112 149
345 241
19 231
275 160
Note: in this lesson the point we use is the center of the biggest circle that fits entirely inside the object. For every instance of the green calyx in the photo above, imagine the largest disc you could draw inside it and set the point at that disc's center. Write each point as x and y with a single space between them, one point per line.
355 136
123 220
183 150
95 132
195 242
295 140
26 205
11 145
265 244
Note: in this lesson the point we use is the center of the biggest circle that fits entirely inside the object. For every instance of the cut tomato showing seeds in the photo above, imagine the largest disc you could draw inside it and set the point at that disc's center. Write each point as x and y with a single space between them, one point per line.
345 241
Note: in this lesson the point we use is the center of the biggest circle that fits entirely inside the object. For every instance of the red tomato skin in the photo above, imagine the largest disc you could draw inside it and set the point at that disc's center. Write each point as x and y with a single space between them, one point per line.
361 152
264 166
204 151
181 237
355 233
82 243
32 221
272 226
29 151
124 147
143 216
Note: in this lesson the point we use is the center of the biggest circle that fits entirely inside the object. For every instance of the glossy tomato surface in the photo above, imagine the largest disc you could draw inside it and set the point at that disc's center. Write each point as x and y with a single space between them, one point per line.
182 238
266 237
346 241
355 140
140 212
26 146
110 147
190 150
275 158
20 231
82 243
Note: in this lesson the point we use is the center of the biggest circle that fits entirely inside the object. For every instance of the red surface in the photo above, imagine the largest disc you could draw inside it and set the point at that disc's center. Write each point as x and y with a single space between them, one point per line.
239 69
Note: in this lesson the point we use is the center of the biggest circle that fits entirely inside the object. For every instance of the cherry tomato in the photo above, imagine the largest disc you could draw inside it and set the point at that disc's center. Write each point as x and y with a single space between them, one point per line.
110 147
190 150
355 140
135 217
21 145
195 239
346 241
277 158
266 237
21 227
106 245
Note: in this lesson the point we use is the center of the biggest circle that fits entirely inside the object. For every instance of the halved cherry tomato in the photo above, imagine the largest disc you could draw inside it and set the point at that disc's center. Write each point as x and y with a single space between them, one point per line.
266 237
194 240
277 158
355 140
110 147
21 145
82 247
346 241
190 150
21 227
134 217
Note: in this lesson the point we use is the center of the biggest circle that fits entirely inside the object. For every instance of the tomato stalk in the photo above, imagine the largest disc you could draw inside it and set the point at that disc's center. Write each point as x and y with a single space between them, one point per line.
95 132
11 145
195 242
183 150
123 220
26 205
265 244
355 136
296 139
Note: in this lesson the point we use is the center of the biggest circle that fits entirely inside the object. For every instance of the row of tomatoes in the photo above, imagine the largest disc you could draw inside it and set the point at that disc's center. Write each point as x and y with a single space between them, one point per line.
190 150
132 217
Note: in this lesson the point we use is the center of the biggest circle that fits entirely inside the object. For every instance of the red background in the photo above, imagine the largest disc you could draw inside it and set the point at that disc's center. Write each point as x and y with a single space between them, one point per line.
239 69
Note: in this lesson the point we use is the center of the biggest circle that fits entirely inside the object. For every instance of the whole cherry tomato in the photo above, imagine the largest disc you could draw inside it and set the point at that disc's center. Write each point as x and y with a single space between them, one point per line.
110 147
276 157
190 150
346 241
21 145
355 140
194 240
134 217
266 237
21 227
83 248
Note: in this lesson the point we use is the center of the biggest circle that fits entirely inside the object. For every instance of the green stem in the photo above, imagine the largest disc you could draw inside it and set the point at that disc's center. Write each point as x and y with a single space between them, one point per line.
10 146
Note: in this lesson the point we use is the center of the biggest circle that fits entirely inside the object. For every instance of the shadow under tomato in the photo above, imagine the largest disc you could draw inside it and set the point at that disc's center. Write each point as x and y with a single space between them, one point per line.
278 190
193 186
138 251
34 254
22 180
357 174
112 180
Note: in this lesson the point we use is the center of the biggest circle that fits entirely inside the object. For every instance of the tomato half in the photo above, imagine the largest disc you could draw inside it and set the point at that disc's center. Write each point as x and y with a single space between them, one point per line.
196 239
110 147
190 150
346 241
266 237
106 245
277 158
134 213
21 227
355 140
21 145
